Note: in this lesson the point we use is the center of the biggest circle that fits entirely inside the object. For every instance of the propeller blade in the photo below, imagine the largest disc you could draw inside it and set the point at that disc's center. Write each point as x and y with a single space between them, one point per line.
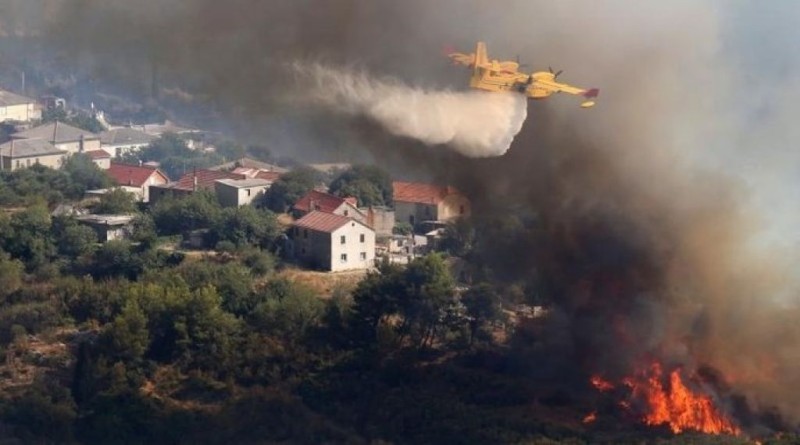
549 68
558 73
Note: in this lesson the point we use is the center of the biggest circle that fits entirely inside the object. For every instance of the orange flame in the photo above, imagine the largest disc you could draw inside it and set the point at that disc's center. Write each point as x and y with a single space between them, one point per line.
678 406
601 384
591 417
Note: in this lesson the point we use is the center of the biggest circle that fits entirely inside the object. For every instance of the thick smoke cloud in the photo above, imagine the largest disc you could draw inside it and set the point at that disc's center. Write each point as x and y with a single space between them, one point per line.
652 245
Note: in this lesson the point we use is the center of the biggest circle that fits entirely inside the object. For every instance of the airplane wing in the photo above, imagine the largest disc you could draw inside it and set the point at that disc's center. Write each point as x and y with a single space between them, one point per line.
478 59
462 59
547 87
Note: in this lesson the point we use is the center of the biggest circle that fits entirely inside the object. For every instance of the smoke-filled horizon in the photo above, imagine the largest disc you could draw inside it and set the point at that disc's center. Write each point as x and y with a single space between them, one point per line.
654 208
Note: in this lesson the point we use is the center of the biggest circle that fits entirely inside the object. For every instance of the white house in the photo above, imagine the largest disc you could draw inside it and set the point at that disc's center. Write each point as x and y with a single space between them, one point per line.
333 242
17 154
16 108
239 192
64 137
416 202
119 141
101 158
136 179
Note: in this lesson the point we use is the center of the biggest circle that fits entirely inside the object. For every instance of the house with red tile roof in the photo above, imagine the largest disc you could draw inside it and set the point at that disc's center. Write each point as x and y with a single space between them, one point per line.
197 179
416 202
316 200
136 179
333 242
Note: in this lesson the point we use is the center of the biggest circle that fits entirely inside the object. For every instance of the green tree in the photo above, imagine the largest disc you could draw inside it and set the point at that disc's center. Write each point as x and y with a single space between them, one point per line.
429 291
114 259
11 273
458 238
144 230
289 188
197 211
287 310
245 225
72 238
232 281
403 228
28 236
116 201
173 154
371 185
483 308
43 413
84 175
411 302
128 336
376 299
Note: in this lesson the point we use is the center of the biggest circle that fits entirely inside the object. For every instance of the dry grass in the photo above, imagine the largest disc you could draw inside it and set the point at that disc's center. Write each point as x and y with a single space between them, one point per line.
324 284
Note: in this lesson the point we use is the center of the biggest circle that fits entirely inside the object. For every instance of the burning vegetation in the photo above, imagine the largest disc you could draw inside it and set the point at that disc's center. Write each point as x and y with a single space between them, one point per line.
666 399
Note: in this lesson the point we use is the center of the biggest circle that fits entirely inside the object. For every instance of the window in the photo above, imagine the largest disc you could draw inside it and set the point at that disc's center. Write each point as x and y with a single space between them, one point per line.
363 256
461 210
342 239
343 258
346 213
28 162
248 192
37 161
362 237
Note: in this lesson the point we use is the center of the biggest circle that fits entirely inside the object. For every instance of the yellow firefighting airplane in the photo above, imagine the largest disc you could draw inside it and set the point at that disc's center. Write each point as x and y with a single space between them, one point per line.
493 75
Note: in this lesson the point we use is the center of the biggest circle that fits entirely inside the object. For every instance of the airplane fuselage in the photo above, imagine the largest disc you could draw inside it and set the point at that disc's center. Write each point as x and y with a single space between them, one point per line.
510 80
501 76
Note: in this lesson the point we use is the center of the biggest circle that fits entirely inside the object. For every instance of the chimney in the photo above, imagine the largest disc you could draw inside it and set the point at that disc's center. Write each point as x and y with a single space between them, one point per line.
80 144
311 205
140 162
194 180
130 177
55 133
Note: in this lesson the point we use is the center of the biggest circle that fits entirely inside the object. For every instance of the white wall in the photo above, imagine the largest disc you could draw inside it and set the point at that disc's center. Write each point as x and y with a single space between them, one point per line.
353 247
21 113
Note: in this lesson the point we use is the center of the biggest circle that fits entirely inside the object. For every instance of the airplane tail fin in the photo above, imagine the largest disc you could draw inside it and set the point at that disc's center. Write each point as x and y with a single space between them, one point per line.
481 55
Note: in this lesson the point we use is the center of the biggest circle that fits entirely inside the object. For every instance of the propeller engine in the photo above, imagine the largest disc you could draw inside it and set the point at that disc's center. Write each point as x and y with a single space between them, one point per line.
556 74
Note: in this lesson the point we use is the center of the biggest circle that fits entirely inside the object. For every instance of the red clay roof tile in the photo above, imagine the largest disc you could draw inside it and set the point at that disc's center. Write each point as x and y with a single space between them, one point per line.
421 193
132 175
205 179
323 222
316 200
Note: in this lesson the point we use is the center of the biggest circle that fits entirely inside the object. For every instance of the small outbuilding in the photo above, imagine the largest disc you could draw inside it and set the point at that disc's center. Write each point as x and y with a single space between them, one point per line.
109 227
239 192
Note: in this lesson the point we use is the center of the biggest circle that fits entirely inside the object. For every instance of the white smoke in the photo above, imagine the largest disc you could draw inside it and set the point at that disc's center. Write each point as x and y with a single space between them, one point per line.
476 124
